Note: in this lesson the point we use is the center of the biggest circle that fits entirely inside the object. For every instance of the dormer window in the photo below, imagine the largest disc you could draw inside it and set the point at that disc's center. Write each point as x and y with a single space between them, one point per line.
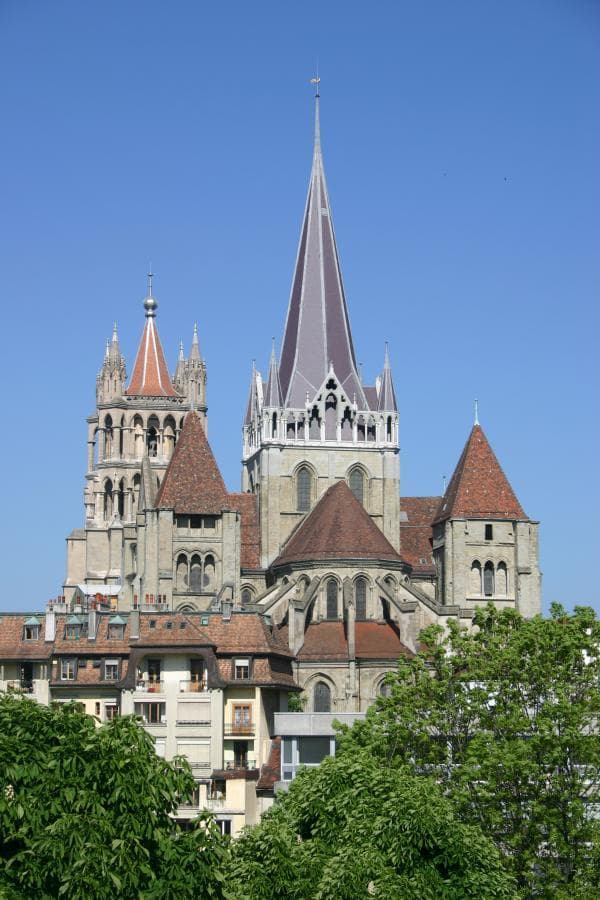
116 628
72 632
489 532
241 669
31 630
111 669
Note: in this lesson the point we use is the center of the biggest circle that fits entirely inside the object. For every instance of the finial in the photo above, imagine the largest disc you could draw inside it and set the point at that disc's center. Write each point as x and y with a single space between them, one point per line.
386 357
195 337
476 411
443 485
115 336
150 304
317 81
181 353
107 351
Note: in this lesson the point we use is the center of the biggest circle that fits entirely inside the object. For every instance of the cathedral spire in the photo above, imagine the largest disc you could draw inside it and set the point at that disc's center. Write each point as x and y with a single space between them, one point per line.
195 351
150 377
317 330
387 396
273 394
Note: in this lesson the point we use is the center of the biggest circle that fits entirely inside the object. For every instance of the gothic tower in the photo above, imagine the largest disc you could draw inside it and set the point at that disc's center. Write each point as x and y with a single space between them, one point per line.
315 423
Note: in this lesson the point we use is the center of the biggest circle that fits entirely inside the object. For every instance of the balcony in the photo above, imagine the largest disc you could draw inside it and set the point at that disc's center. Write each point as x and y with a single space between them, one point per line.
231 765
192 687
21 685
233 729
149 686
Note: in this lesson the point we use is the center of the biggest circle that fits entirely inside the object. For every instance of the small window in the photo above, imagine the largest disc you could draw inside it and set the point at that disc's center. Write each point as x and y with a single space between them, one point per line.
111 711
111 670
385 689
72 632
322 697
168 626
154 671
303 486
152 623
225 826
356 483
195 523
31 633
246 596
488 579
209 523
68 668
360 599
241 669
332 599
116 632
151 713
97 708
489 532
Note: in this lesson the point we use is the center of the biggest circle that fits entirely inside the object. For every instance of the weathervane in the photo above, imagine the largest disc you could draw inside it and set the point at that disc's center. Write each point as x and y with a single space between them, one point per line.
316 81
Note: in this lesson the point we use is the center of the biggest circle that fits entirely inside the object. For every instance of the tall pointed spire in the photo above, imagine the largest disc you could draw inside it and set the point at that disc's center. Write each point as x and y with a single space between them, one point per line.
195 351
114 349
150 376
386 399
317 330
273 393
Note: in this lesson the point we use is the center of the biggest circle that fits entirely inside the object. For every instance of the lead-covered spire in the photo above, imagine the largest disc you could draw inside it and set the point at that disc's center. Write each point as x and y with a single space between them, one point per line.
317 330
386 399
273 397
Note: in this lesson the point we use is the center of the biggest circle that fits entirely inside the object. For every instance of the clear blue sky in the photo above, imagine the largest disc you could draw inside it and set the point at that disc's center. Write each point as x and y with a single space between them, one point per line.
462 144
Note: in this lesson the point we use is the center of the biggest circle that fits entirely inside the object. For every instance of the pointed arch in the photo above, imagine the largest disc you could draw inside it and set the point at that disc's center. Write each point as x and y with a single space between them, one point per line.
195 574
332 598
488 579
304 488
360 598
475 578
182 573
321 697
501 579
356 483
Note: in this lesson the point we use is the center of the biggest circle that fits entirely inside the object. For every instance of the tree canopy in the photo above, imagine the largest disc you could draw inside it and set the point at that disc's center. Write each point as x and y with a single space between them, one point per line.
355 827
505 718
85 811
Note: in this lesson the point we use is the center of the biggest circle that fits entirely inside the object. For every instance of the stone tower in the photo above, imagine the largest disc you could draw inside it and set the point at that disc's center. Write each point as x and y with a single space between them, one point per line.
131 437
315 423
485 548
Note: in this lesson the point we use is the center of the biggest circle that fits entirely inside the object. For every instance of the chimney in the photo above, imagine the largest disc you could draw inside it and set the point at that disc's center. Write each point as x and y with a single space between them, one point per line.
50 624
134 624
92 624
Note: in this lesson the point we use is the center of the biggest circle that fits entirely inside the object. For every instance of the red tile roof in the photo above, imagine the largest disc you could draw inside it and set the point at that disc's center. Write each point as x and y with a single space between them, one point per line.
374 640
193 483
479 489
150 376
416 516
338 527
12 645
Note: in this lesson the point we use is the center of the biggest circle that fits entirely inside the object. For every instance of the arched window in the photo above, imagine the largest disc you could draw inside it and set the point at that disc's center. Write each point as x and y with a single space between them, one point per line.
300 431
121 498
169 437
488 579
361 430
274 426
138 437
347 425
360 598
356 483
246 596
208 579
108 499
330 417
314 426
322 697
388 429
196 574
121 435
332 599
181 576
385 689
475 580
135 499
303 489
501 580
108 437
152 436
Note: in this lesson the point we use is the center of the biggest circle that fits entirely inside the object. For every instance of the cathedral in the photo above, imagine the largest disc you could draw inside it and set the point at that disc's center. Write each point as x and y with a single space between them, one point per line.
319 544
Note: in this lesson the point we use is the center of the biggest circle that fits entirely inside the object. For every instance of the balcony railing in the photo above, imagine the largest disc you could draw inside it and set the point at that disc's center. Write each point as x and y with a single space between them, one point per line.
150 686
192 687
25 685
234 728
231 764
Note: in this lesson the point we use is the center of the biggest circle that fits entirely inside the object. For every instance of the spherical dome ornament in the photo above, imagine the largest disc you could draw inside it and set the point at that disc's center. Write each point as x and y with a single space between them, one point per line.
150 305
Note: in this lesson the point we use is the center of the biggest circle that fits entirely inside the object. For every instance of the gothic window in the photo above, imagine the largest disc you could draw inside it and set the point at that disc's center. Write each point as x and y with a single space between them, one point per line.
121 436
181 574
356 483
501 580
361 430
246 596
371 430
360 598
152 441
385 689
136 495
108 437
108 499
314 427
332 599
322 697
300 430
475 580
274 426
347 425
488 579
121 498
196 574
388 429
208 578
303 489
290 429
330 417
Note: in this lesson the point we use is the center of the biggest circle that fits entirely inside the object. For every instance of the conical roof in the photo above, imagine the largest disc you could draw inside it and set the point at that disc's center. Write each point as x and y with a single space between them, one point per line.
338 527
150 376
386 400
317 330
193 483
479 489
273 393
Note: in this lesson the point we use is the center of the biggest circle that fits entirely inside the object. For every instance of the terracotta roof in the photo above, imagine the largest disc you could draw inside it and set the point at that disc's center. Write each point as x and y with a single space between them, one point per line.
247 506
270 772
12 645
378 640
337 528
479 489
416 516
150 376
193 482
373 640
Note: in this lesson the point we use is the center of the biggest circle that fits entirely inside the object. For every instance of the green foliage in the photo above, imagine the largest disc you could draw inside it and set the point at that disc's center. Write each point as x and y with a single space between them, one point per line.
354 828
85 811
296 702
505 718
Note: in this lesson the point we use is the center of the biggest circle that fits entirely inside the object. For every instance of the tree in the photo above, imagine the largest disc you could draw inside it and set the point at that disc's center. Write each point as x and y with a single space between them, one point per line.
505 718
353 828
85 811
